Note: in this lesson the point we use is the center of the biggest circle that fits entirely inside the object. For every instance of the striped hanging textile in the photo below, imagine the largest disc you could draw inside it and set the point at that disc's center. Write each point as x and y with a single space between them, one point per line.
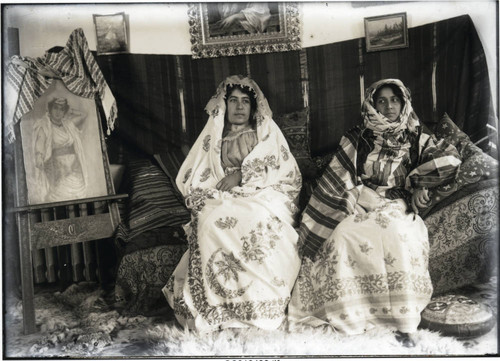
146 88
444 67
333 93
28 78
201 78
279 77
462 78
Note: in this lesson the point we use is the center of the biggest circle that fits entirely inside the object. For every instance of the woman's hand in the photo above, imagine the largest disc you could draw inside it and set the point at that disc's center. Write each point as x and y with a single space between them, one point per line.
229 182
419 199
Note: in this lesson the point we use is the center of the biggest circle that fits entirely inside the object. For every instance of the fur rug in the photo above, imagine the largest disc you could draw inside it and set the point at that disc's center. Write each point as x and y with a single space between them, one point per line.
81 322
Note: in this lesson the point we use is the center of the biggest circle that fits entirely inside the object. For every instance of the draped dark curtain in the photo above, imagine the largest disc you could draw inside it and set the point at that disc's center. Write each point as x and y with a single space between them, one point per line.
452 47
146 92
444 67
201 78
334 94
278 76
463 86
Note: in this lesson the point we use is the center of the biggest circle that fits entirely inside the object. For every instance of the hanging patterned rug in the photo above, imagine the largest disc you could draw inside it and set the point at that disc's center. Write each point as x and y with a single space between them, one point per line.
82 322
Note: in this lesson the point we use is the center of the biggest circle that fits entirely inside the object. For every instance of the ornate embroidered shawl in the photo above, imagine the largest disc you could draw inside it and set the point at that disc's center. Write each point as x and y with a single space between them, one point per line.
270 165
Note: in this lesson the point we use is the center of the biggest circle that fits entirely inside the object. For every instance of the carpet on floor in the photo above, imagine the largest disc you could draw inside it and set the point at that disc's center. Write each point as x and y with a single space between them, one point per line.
82 322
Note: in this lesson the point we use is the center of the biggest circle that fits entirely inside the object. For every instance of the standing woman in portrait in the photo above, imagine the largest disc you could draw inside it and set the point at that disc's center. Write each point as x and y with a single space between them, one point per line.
60 166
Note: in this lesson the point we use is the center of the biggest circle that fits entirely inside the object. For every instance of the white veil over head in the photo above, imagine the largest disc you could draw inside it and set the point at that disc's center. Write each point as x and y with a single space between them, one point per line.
269 164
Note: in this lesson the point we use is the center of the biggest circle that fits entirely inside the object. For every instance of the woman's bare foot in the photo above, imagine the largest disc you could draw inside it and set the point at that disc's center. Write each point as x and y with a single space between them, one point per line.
405 339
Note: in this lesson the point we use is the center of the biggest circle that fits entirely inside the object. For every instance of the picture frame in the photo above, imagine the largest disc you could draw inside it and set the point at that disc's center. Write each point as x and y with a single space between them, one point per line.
62 145
229 29
111 33
386 32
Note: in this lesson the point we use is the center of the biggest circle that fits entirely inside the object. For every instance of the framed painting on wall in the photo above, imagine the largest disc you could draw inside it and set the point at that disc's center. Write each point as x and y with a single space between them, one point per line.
386 32
111 33
62 148
227 29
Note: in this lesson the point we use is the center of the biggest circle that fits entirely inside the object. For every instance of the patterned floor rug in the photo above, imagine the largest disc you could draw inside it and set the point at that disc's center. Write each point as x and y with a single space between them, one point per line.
81 322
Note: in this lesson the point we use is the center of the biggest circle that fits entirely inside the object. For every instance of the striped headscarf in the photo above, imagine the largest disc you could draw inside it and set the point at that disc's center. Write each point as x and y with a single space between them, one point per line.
377 122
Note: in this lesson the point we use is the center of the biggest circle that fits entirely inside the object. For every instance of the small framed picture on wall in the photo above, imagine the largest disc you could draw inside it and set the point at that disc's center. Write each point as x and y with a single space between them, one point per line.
111 32
386 32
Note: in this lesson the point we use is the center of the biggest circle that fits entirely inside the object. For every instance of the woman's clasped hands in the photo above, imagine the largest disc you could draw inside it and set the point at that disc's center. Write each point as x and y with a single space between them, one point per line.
419 199
229 182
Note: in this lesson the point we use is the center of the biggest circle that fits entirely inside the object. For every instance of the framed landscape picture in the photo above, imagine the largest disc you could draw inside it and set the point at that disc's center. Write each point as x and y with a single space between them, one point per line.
226 29
386 32
111 32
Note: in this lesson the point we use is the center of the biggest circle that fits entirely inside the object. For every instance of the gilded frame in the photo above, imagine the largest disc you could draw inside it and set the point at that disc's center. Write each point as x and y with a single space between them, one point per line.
208 39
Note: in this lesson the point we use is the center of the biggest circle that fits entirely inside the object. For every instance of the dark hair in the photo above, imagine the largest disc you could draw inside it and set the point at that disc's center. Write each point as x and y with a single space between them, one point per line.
51 103
395 89
253 101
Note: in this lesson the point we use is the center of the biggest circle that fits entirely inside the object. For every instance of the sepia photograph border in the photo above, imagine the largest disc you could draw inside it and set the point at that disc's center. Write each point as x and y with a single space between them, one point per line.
206 46
369 36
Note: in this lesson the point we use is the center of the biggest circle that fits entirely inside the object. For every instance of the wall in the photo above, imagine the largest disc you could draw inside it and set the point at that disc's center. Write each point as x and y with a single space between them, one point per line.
164 29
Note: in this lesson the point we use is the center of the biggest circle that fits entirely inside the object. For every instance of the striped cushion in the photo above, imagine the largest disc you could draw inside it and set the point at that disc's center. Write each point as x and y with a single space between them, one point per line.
153 201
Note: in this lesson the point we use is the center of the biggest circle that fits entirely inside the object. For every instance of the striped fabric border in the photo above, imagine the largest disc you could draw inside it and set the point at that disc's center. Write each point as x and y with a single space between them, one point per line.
333 199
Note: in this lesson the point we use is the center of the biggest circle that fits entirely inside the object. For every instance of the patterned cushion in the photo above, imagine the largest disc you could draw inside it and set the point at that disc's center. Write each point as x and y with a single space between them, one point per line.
295 128
446 129
142 275
476 165
153 201
457 315
463 237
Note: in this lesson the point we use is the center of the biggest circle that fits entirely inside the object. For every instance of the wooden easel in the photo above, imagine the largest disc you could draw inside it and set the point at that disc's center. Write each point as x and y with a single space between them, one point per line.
40 226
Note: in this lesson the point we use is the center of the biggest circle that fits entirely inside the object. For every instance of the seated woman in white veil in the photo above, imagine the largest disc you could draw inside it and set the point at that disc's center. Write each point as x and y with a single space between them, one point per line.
241 183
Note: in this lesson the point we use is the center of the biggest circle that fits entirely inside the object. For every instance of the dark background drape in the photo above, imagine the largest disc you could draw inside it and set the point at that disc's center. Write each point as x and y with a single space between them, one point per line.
145 88
152 91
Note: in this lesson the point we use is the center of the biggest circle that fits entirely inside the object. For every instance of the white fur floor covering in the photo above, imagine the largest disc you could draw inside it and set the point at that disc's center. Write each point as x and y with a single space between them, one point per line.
80 323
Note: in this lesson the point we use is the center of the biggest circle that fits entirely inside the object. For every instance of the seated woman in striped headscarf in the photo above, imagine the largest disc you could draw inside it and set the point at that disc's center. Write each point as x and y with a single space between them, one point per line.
365 253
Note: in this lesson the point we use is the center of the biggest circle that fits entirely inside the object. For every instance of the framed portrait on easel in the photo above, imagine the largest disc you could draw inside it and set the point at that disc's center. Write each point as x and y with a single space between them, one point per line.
62 152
